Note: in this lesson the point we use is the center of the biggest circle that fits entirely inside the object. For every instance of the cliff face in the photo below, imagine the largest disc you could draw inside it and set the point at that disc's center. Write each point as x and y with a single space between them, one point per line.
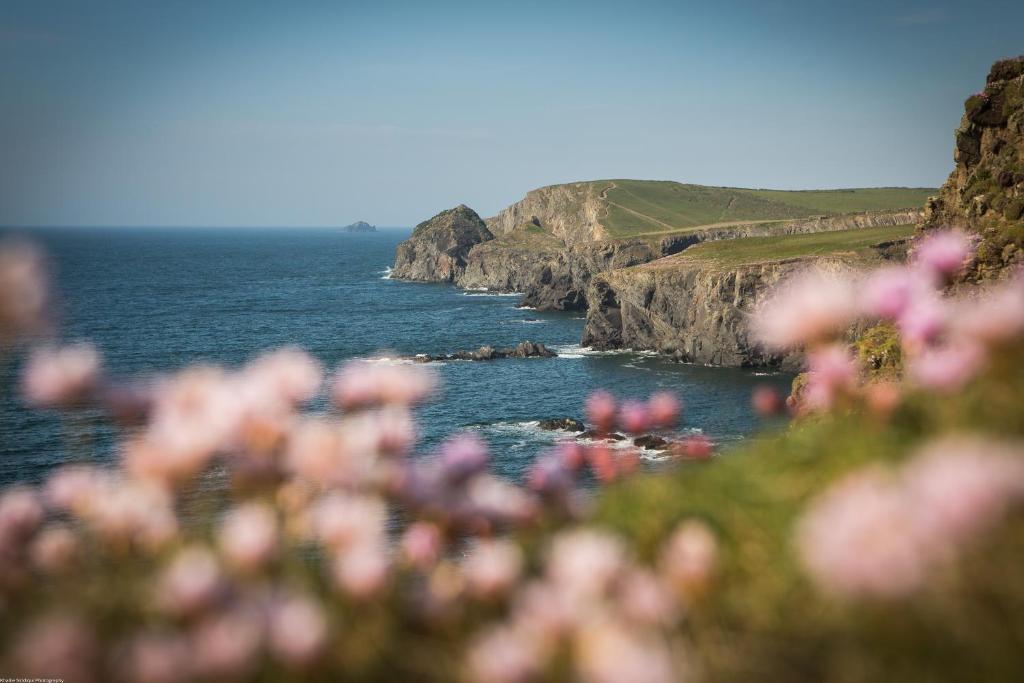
985 192
437 249
569 212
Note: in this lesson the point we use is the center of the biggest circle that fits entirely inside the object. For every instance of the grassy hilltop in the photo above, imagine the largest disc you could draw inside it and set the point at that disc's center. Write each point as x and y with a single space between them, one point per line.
643 207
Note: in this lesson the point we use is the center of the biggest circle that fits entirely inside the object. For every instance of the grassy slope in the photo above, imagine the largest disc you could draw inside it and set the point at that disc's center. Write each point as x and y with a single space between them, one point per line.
644 206
748 250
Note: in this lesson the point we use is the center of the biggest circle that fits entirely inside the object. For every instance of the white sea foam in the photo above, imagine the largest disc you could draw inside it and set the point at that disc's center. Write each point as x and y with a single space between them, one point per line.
577 351
486 292
533 322
386 273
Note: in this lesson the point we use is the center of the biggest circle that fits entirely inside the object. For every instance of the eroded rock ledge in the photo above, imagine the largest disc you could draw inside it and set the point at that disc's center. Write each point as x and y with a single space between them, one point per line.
525 349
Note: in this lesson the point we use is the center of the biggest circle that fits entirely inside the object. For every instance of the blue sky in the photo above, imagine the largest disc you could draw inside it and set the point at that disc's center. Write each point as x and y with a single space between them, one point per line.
317 113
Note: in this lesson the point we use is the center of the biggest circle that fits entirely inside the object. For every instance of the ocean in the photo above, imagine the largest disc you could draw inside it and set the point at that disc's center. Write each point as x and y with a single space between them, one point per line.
155 300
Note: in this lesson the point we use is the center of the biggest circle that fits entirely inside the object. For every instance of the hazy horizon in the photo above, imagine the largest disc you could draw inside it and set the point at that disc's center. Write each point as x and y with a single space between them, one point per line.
237 115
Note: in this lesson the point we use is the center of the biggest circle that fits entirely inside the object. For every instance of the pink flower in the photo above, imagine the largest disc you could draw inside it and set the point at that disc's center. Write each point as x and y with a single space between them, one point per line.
190 583
809 307
363 384
361 570
57 645
889 292
961 485
947 367
943 253
643 597
73 488
463 456
859 538
492 568
226 646
62 376
298 631
55 549
421 544
766 401
585 561
248 536
695 447
610 652
689 556
24 295
831 371
20 514
600 410
498 501
921 323
633 417
289 374
342 520
504 655
158 658
664 409
995 317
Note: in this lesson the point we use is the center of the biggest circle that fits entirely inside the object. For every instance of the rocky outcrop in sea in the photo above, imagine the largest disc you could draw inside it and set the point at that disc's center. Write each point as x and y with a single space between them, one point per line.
525 349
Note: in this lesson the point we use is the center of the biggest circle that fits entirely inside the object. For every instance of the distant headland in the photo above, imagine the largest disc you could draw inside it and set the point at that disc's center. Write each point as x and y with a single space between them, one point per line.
359 226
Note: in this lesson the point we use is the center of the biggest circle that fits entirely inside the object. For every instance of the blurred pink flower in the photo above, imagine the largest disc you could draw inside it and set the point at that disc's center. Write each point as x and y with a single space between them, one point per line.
363 384
290 374
56 645
634 418
809 307
610 652
342 520
831 371
421 545
463 456
961 485
361 570
644 598
24 290
226 645
688 557
664 409
298 630
504 655
878 533
947 367
21 513
766 401
600 409
889 292
994 317
158 658
499 501
585 561
190 583
695 447
55 549
492 567
61 376
859 538
74 487
922 322
248 536
943 253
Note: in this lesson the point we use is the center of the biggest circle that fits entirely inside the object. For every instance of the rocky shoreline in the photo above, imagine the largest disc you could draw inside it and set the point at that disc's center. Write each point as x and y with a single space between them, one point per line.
525 349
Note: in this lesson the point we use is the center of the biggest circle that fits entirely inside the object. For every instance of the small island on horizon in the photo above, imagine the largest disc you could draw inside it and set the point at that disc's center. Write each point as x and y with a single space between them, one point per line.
359 226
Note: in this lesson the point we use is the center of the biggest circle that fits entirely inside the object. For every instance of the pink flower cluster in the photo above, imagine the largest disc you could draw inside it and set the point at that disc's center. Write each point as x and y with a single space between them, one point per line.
24 291
594 603
248 530
882 533
946 340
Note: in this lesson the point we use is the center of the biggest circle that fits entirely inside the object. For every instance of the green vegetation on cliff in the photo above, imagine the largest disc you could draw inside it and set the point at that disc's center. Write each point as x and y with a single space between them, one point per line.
636 207
856 243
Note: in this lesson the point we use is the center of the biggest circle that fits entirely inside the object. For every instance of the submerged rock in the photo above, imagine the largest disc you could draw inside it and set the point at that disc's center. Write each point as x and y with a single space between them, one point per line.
651 442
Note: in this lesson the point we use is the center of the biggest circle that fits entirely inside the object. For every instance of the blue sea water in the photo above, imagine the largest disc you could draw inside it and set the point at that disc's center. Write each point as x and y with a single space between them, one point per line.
158 299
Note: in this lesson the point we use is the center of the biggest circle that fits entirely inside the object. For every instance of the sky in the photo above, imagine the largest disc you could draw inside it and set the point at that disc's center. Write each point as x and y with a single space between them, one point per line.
253 113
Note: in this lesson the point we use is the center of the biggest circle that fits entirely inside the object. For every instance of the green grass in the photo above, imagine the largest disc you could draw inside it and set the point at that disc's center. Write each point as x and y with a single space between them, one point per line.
637 207
747 250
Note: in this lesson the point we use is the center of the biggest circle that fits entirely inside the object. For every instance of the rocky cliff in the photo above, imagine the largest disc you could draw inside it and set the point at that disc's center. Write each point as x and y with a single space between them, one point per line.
985 192
437 249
